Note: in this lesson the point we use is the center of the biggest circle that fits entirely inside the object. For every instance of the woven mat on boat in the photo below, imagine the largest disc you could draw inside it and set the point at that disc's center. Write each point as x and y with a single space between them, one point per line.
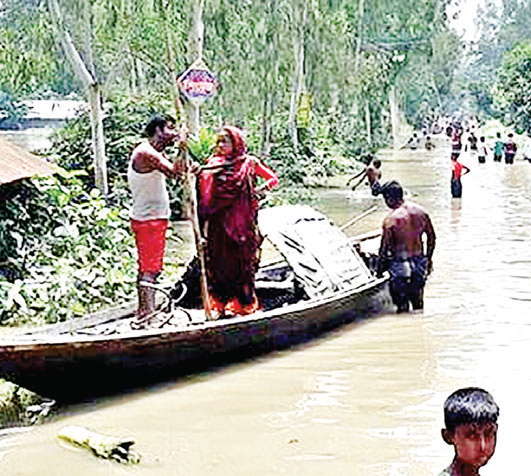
319 252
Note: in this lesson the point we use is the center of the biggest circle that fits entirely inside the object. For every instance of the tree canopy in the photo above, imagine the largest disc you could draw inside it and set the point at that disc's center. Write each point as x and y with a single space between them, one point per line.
267 54
513 88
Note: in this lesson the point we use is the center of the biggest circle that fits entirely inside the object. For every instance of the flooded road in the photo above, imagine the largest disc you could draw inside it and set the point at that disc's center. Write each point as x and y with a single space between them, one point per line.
366 399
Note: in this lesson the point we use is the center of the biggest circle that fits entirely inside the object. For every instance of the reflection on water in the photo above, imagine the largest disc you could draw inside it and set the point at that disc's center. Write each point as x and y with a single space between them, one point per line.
366 399
32 139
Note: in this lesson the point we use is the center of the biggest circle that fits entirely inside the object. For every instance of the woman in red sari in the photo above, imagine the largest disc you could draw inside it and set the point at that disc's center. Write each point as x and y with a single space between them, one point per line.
229 212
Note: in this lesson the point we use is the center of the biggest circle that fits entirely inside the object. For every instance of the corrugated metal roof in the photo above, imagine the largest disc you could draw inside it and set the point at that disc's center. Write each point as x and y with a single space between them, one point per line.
17 163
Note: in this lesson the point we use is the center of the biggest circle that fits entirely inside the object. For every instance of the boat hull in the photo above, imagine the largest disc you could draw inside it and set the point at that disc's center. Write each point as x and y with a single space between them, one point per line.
72 367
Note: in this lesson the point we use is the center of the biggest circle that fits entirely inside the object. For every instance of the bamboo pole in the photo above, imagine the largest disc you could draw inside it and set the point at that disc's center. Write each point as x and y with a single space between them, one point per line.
358 218
190 188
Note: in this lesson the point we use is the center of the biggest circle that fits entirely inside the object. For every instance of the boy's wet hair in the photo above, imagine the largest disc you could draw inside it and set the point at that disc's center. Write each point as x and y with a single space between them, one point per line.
157 120
470 405
377 163
392 190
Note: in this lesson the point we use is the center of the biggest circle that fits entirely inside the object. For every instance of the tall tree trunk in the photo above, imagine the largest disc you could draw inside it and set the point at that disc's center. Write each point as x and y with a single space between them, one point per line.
359 37
357 53
195 52
89 79
368 122
266 125
393 109
98 137
436 90
270 77
298 86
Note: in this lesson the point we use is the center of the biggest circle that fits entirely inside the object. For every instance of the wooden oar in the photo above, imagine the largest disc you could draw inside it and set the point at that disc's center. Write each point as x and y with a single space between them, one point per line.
358 218
370 235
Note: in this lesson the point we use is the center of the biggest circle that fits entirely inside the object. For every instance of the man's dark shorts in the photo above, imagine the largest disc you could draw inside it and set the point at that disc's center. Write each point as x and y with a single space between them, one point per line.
376 188
456 187
408 277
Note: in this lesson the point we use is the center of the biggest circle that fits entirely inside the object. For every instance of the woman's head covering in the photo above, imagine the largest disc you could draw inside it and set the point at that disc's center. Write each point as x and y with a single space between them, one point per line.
238 143
229 192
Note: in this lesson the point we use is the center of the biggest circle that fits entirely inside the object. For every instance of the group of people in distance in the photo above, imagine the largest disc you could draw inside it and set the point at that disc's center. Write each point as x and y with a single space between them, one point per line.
501 149
417 139
228 212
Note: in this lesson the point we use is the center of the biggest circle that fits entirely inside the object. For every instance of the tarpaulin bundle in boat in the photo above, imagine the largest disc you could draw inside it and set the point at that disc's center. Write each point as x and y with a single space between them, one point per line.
318 252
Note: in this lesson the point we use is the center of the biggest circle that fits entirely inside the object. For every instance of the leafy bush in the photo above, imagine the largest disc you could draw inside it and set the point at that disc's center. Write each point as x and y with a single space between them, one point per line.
12 112
512 89
67 252
315 157
202 147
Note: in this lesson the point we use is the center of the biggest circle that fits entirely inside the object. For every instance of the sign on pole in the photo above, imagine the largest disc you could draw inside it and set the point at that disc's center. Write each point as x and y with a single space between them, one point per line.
197 83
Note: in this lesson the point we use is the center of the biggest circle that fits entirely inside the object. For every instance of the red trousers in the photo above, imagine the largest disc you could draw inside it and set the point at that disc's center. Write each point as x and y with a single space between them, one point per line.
150 238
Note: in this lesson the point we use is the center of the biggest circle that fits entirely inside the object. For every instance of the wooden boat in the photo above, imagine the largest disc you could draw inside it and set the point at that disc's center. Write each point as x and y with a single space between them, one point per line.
322 283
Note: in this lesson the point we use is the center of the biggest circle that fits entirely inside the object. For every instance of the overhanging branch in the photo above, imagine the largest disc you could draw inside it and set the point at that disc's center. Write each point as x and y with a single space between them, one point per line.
68 46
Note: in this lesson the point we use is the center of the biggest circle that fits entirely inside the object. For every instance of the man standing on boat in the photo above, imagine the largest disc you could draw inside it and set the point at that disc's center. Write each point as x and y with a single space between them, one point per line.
401 249
147 172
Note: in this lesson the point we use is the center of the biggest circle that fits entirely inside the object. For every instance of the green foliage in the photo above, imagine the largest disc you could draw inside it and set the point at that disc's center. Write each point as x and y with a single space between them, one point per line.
286 161
501 25
513 90
12 112
201 147
352 56
315 157
28 54
66 252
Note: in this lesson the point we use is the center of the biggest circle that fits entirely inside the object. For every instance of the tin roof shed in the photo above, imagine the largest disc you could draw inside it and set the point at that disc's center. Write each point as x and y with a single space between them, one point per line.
17 163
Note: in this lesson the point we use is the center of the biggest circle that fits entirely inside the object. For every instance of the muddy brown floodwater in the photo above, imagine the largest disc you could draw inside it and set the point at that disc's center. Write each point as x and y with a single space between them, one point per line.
366 399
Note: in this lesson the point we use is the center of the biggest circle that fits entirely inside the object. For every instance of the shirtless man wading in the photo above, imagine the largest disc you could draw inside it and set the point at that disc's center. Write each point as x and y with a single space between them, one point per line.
402 250
373 174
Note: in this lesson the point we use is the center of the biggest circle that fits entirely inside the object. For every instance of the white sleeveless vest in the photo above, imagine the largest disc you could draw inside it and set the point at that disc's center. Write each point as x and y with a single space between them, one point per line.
150 195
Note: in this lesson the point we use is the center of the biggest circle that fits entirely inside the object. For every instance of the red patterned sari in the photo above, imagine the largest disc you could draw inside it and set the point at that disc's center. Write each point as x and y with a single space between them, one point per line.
229 210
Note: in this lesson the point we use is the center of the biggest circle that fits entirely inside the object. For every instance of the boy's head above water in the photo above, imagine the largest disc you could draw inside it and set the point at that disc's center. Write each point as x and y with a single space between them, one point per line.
470 418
